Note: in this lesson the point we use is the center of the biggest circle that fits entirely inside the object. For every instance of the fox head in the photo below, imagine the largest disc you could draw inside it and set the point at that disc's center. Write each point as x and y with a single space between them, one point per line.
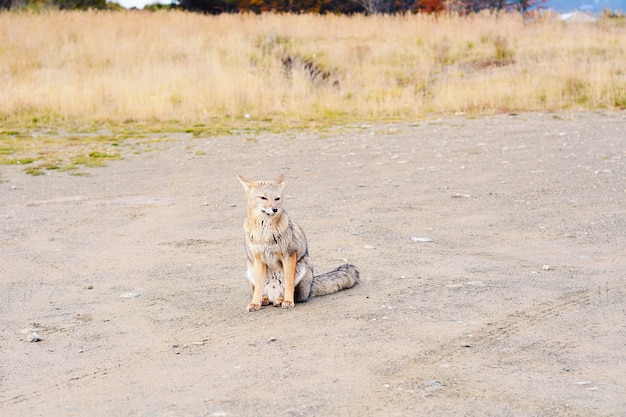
264 197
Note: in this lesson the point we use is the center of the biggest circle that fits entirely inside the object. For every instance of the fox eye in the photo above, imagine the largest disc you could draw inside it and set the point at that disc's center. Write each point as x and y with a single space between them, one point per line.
262 198
277 199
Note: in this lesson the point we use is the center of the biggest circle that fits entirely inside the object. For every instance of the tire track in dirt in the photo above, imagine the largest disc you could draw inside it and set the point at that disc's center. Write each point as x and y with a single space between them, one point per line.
514 323
519 321
63 383
416 375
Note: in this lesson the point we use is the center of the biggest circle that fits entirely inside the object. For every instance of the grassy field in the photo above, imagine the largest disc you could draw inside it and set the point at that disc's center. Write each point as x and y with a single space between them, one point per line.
121 74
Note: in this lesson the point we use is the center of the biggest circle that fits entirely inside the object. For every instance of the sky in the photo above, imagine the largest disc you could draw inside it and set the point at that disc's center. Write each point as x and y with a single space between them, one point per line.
560 5
586 5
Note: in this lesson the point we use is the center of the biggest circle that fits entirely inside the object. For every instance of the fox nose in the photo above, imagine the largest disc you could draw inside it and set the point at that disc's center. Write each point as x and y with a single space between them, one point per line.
274 209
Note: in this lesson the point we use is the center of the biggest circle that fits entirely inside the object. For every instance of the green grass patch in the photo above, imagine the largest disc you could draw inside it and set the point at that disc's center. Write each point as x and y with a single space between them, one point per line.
69 147
41 150
94 159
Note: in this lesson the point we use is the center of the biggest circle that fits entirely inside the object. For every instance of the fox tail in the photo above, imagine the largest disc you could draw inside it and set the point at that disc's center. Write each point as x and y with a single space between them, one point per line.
341 278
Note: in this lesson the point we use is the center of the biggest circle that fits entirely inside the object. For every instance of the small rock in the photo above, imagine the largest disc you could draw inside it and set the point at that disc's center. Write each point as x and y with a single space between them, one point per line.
129 294
222 400
432 386
546 268
369 247
33 337
421 239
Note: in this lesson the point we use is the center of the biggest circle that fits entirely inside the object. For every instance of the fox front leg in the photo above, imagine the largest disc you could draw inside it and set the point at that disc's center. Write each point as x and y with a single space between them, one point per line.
289 269
260 271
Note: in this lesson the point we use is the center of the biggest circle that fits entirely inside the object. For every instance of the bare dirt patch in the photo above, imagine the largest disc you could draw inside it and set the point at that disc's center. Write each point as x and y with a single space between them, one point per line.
492 253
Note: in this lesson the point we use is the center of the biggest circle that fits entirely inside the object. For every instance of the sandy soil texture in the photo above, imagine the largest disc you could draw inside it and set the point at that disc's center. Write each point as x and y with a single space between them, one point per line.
492 253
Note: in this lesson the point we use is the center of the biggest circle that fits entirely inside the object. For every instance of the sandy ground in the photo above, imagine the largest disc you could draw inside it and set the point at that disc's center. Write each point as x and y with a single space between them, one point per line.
133 276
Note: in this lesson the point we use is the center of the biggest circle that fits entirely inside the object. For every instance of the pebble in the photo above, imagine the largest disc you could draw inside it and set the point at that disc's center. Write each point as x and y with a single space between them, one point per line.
546 268
129 294
421 239
433 386
222 400
33 337
369 247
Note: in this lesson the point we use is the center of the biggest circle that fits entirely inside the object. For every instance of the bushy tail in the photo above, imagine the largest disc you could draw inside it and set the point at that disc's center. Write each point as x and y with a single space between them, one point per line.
346 276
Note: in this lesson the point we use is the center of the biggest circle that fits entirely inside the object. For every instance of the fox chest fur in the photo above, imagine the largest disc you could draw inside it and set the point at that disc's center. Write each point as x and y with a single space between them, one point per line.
271 239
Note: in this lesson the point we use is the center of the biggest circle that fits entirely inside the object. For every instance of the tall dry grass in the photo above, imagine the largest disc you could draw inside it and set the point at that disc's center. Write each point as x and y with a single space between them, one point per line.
119 66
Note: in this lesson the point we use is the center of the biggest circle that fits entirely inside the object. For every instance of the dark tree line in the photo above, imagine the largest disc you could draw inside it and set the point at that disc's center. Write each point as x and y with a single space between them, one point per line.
522 6
306 6
357 6
281 6
59 4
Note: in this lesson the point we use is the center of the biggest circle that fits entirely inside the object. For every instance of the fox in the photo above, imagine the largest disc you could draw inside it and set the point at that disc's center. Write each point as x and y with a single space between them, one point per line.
278 264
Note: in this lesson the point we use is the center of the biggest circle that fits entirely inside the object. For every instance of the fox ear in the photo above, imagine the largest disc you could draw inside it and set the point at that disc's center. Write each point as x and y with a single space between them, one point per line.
247 184
280 180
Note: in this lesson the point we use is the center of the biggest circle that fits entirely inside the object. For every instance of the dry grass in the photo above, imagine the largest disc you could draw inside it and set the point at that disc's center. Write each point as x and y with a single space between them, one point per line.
183 71
128 66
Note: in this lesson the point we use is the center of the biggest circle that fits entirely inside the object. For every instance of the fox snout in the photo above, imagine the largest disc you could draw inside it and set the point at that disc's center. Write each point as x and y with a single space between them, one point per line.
270 210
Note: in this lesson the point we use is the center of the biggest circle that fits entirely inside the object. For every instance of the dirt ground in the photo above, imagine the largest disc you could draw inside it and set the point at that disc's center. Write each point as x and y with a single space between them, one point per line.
492 253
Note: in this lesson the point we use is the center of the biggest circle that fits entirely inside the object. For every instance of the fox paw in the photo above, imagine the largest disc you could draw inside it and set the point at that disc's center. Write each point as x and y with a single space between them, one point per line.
287 304
254 307
265 301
